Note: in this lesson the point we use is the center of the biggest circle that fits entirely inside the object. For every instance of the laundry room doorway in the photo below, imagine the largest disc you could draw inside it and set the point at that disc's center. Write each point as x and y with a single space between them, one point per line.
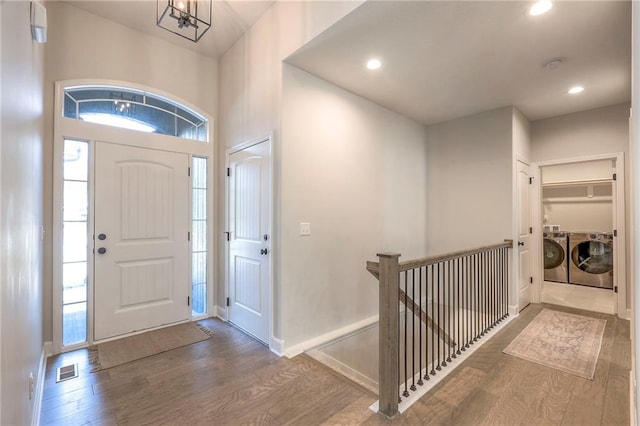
580 244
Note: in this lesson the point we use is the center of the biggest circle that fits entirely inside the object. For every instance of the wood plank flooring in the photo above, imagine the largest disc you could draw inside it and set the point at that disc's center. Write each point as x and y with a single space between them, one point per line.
232 379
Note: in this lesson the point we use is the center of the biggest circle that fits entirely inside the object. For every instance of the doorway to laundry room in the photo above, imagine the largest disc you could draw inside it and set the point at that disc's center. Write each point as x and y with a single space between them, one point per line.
582 218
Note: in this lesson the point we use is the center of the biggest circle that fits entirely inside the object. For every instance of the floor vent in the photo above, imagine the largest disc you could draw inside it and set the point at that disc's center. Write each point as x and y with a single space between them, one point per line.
67 372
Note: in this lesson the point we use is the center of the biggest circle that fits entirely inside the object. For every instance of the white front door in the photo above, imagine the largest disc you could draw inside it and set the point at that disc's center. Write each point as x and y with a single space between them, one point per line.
524 231
140 239
250 239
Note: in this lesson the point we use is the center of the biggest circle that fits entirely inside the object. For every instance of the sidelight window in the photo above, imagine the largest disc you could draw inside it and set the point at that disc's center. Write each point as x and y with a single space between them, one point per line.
199 236
74 242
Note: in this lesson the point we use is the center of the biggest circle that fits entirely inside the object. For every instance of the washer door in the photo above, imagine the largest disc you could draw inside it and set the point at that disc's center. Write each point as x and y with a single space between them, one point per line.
593 257
553 254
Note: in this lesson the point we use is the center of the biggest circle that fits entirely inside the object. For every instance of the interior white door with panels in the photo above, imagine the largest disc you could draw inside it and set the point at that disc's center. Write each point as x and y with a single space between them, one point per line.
249 269
524 235
141 239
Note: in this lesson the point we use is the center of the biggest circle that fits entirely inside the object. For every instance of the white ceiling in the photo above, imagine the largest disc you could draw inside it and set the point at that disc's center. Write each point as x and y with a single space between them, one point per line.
442 60
230 20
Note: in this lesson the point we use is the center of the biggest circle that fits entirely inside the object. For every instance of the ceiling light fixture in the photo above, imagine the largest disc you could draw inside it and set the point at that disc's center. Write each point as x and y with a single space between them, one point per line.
538 8
576 89
374 64
189 19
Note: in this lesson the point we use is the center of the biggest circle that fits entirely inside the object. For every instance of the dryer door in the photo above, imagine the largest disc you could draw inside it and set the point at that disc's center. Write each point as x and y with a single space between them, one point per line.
593 257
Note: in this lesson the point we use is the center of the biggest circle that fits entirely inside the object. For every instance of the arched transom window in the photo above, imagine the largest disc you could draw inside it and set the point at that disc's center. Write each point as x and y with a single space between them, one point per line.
135 110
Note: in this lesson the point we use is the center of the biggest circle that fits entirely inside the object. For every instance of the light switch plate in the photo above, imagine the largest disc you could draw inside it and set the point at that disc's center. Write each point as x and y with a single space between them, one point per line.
305 229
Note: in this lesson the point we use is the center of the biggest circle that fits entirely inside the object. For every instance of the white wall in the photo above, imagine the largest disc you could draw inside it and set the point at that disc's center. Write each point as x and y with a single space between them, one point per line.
21 140
250 106
356 172
573 210
85 46
594 132
469 181
521 136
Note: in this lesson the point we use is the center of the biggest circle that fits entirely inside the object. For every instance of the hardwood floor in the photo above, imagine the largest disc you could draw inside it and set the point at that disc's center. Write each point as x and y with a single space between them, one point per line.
232 379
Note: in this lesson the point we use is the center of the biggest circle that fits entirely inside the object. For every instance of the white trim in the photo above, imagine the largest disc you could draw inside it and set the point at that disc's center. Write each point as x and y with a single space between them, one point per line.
272 243
344 370
221 313
454 363
620 223
39 385
330 336
514 311
277 346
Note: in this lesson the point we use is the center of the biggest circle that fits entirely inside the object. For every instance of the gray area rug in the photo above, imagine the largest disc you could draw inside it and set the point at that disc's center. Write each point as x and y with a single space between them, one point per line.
117 352
566 342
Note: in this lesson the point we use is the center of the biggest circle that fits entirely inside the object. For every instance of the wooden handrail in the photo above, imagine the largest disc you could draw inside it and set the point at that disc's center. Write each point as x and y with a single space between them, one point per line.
432 260
374 267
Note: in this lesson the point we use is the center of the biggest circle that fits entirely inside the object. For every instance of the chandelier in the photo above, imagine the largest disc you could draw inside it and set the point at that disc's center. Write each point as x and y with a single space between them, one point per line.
190 19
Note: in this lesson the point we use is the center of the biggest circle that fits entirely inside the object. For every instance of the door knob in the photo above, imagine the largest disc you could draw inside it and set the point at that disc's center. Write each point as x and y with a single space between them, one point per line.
102 250
520 243
102 237
264 251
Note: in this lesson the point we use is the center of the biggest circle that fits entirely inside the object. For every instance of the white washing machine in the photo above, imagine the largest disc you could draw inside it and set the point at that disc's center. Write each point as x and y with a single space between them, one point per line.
555 257
591 259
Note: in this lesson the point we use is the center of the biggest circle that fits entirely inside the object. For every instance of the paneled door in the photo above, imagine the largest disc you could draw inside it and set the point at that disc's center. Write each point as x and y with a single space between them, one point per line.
141 239
524 235
249 192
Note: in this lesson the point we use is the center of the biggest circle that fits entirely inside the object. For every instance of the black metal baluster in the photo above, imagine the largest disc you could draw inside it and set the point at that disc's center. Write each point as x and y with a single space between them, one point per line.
465 298
439 323
476 268
492 299
433 322
459 310
445 288
484 293
413 330
495 287
406 318
420 382
449 309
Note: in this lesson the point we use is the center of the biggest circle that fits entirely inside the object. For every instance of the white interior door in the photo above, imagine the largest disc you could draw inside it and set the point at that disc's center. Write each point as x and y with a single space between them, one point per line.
141 239
524 232
250 239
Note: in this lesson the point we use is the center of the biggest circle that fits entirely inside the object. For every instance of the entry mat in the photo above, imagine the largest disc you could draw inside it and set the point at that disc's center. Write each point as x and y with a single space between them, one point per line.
121 351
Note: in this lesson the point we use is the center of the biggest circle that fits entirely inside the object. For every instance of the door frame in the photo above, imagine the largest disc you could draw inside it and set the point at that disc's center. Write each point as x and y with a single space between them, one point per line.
273 342
619 242
67 128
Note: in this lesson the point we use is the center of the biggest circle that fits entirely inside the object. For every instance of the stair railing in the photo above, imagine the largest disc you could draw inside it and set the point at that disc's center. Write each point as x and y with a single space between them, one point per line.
432 310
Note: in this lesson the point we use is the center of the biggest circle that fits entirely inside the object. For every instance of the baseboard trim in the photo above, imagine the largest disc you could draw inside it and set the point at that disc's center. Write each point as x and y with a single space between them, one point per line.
328 337
221 313
276 346
39 385
514 310
345 370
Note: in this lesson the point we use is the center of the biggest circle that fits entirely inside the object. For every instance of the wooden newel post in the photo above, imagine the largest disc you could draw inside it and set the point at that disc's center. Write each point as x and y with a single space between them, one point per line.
389 312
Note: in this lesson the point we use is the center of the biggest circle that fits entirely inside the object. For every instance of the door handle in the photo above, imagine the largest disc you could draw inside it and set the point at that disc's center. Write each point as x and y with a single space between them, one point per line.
520 243
102 237
264 251
102 250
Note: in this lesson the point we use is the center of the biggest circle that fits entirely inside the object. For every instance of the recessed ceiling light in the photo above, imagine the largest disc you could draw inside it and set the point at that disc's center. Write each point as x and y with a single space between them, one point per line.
576 89
374 64
543 6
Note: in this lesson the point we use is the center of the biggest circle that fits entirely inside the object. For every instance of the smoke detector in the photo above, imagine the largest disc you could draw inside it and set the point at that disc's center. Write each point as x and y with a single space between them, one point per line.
553 63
